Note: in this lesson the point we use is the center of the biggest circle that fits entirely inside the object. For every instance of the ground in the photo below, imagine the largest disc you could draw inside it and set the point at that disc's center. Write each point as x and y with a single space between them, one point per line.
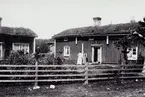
129 88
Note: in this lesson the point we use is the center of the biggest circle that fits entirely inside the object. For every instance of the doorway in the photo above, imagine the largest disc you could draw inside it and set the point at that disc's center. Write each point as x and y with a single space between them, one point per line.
96 54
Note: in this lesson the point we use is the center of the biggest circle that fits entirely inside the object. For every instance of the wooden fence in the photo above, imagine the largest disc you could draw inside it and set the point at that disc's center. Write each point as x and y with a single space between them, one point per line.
58 73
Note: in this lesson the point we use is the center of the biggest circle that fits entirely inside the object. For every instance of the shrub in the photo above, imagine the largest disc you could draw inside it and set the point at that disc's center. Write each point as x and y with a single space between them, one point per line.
69 61
59 59
19 58
46 59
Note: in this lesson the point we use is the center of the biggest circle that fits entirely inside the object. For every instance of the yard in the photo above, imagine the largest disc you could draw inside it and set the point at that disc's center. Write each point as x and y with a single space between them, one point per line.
130 88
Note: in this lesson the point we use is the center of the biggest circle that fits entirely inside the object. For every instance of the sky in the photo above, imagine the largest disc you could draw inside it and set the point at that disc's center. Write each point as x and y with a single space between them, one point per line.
49 17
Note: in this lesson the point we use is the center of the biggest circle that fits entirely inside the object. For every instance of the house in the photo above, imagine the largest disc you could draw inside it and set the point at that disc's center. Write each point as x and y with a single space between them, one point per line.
97 42
16 39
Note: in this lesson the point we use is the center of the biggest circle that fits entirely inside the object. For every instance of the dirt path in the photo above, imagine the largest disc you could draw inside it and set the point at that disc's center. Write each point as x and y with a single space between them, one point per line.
95 89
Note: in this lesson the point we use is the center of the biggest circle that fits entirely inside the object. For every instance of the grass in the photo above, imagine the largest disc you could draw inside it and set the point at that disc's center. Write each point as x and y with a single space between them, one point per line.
130 88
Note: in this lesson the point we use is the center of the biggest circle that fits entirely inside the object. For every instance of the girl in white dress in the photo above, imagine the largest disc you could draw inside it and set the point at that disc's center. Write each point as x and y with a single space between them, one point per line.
80 59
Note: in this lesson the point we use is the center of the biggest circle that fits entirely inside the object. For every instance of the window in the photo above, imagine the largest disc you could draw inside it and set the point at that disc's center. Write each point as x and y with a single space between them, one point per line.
66 51
21 46
65 39
91 39
132 53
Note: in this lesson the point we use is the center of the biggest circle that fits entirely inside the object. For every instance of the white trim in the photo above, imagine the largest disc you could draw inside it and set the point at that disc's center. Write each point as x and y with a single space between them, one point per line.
99 54
76 40
92 54
82 48
1 50
65 48
54 47
34 45
130 55
1 47
107 39
28 50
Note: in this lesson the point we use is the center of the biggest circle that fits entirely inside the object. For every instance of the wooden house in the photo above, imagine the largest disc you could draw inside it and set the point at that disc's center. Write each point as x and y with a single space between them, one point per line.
97 42
16 39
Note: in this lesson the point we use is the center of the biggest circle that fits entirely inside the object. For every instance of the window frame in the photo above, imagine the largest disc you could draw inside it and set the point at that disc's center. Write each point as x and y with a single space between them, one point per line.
65 48
133 56
20 44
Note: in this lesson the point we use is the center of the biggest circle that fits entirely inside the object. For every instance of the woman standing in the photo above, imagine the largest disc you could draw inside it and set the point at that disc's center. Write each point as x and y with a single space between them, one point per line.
80 59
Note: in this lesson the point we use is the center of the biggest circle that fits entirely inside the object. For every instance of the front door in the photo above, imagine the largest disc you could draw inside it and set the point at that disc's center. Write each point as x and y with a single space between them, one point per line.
96 54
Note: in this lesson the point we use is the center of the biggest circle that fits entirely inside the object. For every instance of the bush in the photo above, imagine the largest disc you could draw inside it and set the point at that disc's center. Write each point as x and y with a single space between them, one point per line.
19 58
69 61
46 59
59 59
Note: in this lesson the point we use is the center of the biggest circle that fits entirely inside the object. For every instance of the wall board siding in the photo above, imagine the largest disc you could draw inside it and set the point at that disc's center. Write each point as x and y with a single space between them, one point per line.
9 40
110 53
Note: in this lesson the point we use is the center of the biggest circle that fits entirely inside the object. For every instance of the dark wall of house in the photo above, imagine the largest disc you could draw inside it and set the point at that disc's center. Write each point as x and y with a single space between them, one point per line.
2 38
141 48
9 40
110 54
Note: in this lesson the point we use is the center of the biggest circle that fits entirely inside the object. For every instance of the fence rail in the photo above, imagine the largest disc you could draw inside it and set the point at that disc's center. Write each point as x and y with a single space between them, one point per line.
58 73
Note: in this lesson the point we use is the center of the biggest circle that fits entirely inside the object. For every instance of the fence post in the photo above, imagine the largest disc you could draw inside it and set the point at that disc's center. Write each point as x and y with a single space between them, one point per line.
36 76
122 72
86 74
118 74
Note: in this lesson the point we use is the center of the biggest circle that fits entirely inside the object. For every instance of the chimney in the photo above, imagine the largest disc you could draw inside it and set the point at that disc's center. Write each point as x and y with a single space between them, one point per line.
0 24
97 21
132 19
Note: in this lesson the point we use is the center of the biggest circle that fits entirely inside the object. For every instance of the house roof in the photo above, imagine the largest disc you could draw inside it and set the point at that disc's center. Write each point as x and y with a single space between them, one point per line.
122 28
18 31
